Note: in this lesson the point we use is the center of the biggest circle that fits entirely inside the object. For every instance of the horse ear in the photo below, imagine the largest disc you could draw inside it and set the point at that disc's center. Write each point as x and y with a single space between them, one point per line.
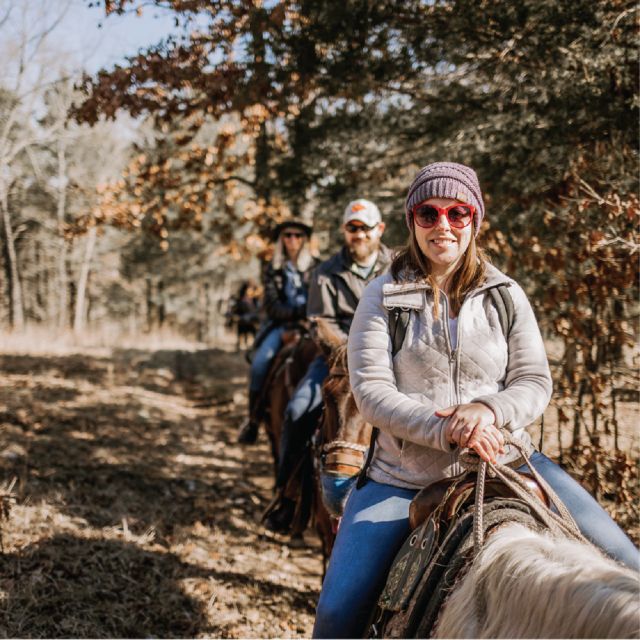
327 339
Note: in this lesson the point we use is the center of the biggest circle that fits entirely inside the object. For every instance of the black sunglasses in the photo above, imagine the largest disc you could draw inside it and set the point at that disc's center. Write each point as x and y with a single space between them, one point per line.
354 228
293 234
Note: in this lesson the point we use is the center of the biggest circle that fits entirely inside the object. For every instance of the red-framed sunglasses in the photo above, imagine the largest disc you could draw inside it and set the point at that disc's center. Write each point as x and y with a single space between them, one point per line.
427 215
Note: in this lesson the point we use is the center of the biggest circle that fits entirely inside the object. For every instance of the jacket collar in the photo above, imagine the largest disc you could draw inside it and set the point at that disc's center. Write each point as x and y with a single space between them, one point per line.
494 277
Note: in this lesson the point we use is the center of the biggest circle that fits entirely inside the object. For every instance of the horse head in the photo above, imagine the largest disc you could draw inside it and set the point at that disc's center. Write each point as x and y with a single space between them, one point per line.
344 433
341 419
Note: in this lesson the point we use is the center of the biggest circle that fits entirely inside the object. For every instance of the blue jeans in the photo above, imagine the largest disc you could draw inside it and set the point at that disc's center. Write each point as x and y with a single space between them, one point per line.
373 528
308 393
263 357
376 523
593 521
301 418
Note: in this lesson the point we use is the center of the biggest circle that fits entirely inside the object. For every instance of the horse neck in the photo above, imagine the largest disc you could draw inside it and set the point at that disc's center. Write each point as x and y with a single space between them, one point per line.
355 430
351 425
308 350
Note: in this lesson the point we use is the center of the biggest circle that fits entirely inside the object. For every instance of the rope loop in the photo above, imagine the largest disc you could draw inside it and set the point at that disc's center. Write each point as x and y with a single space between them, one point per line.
561 523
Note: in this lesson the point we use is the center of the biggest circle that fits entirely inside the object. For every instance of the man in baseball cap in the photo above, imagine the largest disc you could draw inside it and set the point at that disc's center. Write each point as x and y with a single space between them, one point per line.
362 211
335 288
362 227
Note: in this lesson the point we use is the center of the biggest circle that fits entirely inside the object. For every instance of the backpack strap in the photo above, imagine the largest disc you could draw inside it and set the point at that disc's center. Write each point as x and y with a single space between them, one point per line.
362 476
503 302
398 323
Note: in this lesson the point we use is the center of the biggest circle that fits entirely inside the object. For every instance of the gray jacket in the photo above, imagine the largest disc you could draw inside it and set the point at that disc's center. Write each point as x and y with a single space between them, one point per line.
335 289
401 395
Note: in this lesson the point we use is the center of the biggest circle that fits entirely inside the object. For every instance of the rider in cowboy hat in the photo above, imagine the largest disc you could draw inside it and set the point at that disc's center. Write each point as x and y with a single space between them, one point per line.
286 285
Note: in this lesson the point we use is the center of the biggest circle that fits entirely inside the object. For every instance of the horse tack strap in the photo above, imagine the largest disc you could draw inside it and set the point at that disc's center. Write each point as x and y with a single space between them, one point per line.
342 470
345 457
344 444
350 463
362 476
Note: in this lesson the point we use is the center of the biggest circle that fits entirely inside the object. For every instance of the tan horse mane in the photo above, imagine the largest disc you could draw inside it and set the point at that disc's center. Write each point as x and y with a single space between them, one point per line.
338 358
533 585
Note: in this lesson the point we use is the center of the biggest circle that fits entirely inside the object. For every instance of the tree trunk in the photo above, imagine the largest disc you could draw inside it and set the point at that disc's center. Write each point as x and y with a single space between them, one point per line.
149 305
63 299
260 69
16 314
207 313
83 279
161 305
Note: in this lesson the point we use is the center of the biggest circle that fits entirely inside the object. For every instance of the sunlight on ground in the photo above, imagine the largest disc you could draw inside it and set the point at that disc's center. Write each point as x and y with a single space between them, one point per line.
34 340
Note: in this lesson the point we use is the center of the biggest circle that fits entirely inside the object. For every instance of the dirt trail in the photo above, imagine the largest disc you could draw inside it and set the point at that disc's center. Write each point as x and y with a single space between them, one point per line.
136 514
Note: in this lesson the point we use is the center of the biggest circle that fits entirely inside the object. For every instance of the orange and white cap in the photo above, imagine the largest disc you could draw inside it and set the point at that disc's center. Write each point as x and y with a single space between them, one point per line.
363 211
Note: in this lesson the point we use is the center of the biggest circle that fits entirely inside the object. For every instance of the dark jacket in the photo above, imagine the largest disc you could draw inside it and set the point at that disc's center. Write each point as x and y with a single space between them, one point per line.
336 289
276 306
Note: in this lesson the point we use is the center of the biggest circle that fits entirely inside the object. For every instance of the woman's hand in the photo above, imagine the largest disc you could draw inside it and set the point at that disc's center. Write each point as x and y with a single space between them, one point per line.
472 425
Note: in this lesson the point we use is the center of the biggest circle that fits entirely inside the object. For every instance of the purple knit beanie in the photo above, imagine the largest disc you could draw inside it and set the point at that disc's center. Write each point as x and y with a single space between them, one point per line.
446 180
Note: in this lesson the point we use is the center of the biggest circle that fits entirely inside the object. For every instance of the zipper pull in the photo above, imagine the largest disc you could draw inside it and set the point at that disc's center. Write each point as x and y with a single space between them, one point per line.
452 357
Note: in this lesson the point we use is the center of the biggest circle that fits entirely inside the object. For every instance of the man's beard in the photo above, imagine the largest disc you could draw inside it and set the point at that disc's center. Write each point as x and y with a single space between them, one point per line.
361 251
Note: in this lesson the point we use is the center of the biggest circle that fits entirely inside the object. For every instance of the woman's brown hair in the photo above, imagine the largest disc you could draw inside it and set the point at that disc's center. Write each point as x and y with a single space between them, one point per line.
410 264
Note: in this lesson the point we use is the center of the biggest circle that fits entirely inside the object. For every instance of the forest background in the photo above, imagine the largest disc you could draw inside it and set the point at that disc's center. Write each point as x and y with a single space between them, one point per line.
136 198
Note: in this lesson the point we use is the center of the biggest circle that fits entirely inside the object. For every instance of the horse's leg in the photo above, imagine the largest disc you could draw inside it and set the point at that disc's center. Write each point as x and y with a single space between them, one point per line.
274 439
277 400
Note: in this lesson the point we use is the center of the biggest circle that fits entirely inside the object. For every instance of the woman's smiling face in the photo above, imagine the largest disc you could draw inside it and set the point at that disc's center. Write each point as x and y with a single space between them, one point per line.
442 244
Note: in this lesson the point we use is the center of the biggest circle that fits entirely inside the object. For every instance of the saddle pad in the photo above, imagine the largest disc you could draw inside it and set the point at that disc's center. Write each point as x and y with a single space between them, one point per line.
409 566
415 616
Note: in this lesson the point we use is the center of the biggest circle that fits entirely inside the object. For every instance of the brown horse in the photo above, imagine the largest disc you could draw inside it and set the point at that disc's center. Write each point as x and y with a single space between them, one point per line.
287 369
341 444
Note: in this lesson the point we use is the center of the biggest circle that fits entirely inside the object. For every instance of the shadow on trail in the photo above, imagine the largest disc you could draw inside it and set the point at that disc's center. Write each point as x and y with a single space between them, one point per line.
139 510
90 368
107 470
68 587
105 461
205 375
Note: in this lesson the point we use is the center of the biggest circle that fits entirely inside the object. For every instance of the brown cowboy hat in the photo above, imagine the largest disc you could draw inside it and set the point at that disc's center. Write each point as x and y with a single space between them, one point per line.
298 224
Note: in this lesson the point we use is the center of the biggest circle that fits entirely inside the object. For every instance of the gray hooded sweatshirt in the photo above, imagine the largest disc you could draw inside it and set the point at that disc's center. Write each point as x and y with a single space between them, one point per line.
401 394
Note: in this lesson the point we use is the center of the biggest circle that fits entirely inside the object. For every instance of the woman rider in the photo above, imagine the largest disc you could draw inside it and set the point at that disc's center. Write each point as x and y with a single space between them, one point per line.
455 382
286 282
